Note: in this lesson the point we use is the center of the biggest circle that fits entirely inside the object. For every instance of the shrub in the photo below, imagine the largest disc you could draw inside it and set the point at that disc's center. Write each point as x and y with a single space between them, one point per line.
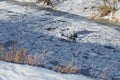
2 52
30 59
10 55
17 55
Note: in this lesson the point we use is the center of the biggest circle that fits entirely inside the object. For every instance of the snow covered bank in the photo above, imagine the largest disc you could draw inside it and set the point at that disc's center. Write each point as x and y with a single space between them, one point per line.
90 8
65 35
25 0
9 71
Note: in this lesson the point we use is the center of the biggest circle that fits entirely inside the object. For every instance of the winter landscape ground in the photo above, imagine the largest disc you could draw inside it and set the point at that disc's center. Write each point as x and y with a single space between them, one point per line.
65 33
9 71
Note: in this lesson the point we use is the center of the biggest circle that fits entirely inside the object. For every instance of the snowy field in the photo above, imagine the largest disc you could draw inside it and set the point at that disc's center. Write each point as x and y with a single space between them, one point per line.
65 33
9 71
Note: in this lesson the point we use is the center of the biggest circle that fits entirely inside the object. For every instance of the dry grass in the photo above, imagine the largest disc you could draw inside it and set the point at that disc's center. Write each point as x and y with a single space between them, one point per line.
31 59
20 56
2 56
66 69
105 9
47 2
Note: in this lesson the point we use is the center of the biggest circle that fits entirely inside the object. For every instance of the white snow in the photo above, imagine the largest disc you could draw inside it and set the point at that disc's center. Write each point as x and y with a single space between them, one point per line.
36 28
10 71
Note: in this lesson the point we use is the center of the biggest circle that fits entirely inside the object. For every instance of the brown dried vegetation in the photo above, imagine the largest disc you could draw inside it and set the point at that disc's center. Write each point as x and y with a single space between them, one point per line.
107 8
16 55
48 2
